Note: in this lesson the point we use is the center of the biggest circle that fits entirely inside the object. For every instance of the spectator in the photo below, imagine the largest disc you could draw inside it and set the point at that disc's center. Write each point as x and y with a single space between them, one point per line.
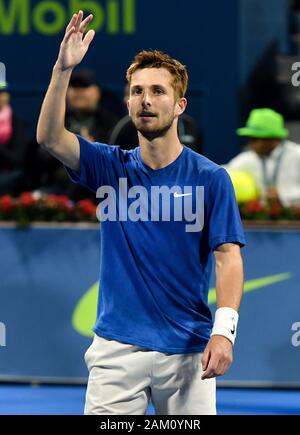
85 114
13 144
271 159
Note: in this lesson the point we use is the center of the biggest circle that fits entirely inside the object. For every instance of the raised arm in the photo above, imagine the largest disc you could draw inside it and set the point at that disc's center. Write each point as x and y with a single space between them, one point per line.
51 132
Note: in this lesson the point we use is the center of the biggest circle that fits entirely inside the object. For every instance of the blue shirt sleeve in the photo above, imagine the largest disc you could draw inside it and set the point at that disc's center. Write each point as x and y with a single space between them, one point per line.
224 221
95 162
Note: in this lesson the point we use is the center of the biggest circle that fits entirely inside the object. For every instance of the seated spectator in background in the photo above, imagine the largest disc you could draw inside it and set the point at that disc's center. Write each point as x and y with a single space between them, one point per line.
13 144
272 160
125 134
84 116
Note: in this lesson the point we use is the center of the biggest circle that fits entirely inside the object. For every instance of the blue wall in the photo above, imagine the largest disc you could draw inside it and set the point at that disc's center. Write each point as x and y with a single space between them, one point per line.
261 24
216 40
46 273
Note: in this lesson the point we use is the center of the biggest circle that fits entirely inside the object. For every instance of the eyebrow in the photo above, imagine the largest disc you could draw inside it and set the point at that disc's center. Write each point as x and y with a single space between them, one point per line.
152 86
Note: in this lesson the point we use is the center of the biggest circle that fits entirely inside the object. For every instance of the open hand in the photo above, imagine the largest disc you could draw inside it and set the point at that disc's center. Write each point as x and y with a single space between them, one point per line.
74 46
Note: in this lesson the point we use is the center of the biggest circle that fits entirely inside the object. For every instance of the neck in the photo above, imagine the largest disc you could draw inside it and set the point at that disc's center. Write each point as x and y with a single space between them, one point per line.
161 151
268 152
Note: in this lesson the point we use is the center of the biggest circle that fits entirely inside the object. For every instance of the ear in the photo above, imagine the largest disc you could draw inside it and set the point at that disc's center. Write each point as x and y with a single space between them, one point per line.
128 107
180 107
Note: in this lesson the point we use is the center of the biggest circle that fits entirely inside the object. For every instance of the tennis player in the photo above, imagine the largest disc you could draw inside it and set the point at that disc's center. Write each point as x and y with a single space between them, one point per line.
165 210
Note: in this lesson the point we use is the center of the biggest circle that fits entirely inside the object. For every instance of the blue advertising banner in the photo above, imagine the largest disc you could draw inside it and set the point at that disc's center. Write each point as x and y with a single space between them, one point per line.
267 349
48 295
44 274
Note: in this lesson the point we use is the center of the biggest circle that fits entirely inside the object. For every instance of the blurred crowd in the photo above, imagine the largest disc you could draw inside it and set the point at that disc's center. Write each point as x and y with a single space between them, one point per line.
24 166
268 166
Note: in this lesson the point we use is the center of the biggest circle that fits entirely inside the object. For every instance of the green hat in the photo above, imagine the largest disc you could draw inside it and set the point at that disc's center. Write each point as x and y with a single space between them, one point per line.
264 123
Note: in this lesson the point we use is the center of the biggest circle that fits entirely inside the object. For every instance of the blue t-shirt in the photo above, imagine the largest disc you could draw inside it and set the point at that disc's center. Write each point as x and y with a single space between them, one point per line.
155 263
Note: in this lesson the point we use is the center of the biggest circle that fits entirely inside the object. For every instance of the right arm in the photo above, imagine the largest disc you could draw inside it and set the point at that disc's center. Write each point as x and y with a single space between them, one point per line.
51 132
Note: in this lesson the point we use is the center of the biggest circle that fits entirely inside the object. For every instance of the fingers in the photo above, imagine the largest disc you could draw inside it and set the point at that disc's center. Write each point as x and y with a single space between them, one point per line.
78 21
71 23
205 359
210 370
88 38
85 23
218 365
68 34
222 368
77 25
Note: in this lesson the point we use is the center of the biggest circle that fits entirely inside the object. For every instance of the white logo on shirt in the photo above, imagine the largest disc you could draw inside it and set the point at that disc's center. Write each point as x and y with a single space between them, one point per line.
179 195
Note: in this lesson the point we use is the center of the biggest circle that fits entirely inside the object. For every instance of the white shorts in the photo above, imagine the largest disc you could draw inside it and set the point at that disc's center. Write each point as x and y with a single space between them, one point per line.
124 377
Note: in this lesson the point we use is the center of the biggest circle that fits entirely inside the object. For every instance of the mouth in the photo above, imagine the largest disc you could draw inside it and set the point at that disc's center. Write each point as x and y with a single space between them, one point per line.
147 115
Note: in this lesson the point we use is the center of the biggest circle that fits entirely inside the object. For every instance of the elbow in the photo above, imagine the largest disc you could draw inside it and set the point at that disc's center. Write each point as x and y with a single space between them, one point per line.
49 138
232 260
44 141
40 137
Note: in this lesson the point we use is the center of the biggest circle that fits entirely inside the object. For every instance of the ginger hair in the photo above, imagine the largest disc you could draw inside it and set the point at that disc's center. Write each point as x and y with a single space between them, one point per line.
158 59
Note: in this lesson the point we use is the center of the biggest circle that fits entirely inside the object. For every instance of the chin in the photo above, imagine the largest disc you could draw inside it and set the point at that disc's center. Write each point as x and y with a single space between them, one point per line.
151 133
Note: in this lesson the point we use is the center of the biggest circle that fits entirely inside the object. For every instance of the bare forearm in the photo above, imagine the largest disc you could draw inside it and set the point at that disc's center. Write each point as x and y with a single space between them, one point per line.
229 281
51 131
217 356
51 124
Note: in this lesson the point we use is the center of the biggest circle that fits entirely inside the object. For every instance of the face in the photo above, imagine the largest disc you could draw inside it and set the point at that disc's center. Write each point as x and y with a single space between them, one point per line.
263 147
152 104
83 98
4 99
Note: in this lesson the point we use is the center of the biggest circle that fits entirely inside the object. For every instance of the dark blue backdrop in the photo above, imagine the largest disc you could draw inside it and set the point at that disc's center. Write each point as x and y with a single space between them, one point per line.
219 41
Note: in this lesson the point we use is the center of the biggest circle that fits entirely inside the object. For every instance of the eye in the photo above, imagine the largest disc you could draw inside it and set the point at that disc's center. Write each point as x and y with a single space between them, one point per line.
158 91
136 91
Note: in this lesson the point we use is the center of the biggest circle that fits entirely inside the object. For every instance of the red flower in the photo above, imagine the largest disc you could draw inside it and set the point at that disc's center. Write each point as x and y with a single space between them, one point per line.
26 199
59 201
275 210
255 206
86 206
6 203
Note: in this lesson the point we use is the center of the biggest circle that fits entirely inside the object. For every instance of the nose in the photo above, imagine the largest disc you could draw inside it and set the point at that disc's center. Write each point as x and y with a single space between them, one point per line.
146 101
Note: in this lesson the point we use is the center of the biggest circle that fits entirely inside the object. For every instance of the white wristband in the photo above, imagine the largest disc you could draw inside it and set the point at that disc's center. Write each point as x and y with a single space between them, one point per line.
226 320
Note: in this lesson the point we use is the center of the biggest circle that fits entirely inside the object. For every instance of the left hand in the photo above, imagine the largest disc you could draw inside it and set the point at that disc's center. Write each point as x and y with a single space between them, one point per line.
217 357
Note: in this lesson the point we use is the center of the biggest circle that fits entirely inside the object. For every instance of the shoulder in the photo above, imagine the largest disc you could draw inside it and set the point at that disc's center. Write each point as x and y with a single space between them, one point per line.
117 156
209 174
292 147
111 152
200 161
115 152
205 168
243 157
